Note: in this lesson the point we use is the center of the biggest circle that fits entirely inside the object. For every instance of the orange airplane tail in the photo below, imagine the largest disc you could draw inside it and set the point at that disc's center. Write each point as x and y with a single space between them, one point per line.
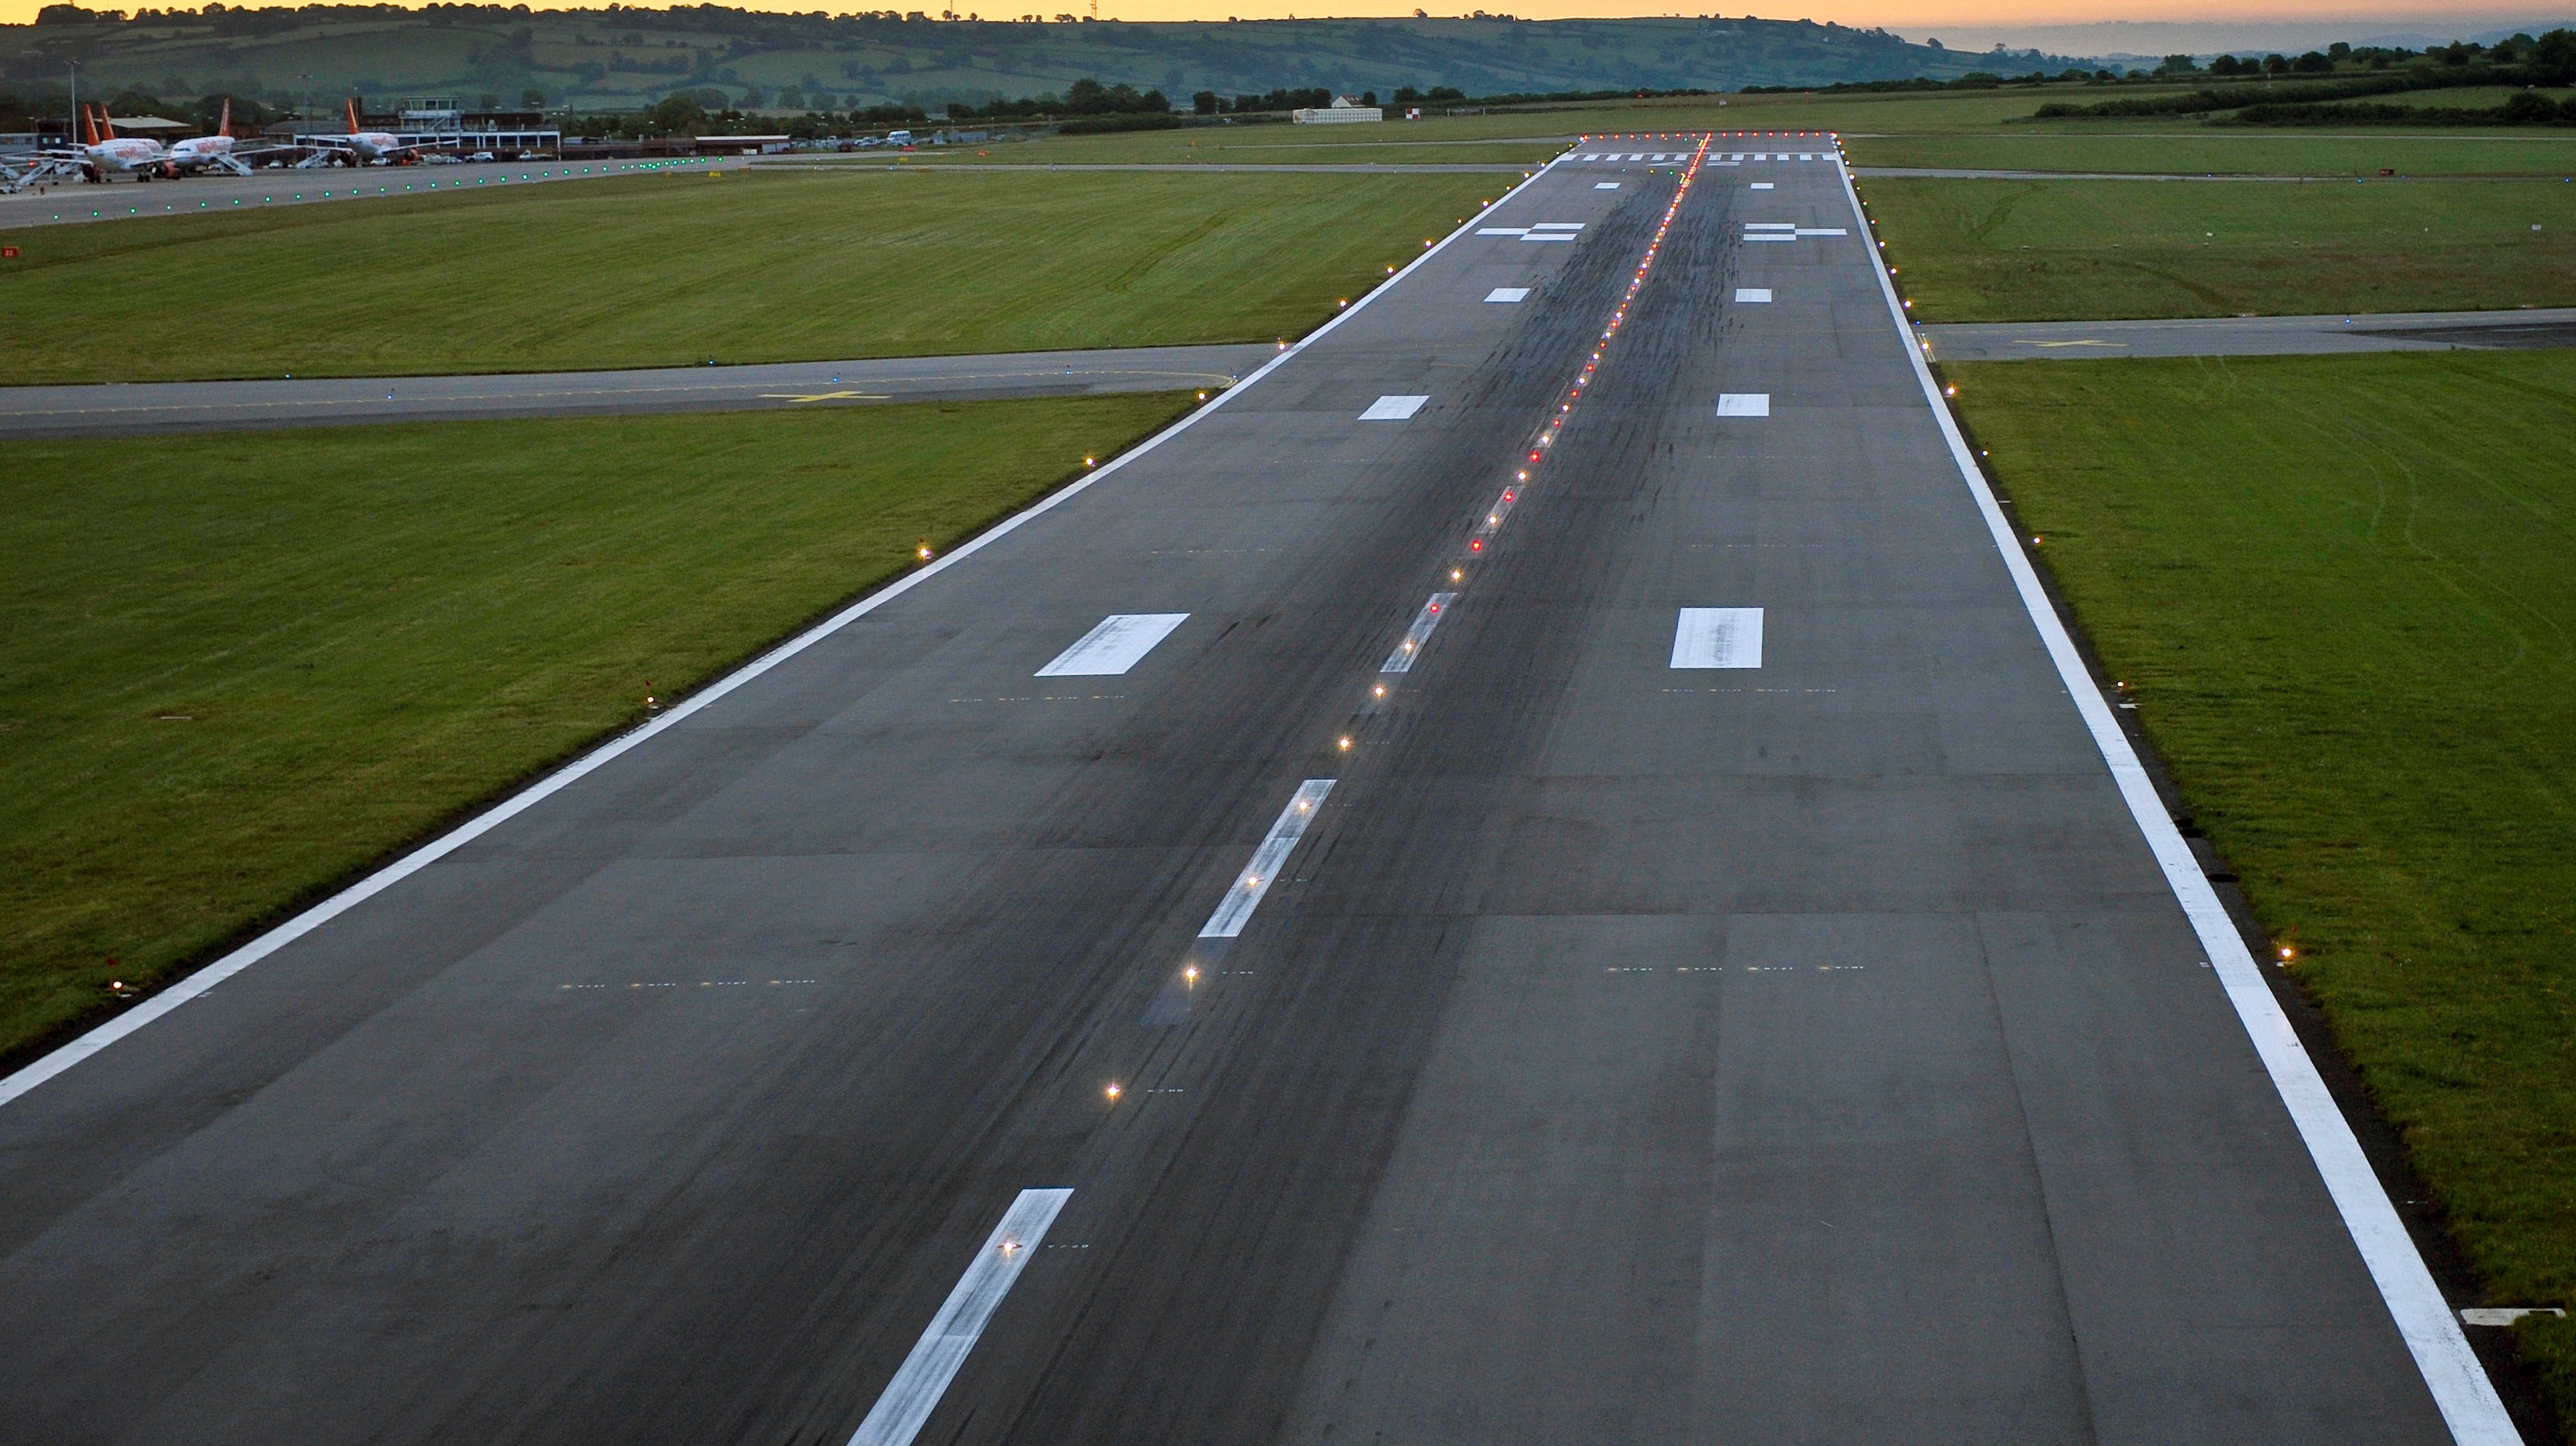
224 127
106 126
353 115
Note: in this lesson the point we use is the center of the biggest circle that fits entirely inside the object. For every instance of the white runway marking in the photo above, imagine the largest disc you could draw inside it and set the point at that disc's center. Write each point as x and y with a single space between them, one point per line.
1113 647
1267 860
1822 231
1718 638
1507 293
1771 236
1752 294
1392 409
1401 660
1770 225
924 1375
2458 1383
1502 230
1762 186
1549 236
1744 404
1605 185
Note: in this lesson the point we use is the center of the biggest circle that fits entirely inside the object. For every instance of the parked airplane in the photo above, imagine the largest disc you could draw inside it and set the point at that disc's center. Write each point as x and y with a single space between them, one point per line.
368 148
107 153
214 152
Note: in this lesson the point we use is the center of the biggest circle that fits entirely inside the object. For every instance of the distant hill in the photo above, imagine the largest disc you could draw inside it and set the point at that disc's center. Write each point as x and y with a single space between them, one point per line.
621 58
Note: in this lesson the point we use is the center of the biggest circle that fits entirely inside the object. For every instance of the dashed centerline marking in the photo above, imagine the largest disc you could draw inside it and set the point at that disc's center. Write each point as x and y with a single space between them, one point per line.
924 1375
1267 860
1401 660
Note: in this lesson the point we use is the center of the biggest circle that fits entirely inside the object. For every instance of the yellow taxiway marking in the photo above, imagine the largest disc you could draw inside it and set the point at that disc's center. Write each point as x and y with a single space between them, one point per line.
2023 341
824 397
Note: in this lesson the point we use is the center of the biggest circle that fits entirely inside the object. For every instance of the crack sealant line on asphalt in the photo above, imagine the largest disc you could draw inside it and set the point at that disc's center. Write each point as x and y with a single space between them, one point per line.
2459 1386
196 984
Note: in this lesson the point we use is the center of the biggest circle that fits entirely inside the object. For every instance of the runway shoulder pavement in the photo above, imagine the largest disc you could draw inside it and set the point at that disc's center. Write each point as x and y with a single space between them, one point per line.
2250 335
143 407
1531 874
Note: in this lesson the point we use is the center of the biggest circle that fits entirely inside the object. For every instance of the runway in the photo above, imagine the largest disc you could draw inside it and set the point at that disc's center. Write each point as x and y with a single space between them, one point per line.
145 407
127 200
2250 335
1724 987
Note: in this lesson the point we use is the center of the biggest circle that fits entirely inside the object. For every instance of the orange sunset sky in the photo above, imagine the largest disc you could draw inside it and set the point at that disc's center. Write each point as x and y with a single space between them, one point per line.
1912 18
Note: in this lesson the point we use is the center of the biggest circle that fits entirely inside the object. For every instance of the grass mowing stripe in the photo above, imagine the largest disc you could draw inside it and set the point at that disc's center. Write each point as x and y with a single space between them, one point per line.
2343 591
2081 250
756 266
243 666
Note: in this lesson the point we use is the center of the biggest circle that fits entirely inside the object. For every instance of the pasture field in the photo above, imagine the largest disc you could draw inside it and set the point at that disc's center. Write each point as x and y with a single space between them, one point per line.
244 666
2343 593
683 269
1993 250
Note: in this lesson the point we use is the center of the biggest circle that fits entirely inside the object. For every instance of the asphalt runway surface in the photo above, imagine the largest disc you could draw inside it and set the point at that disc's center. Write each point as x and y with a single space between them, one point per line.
1562 1045
2250 335
124 199
145 407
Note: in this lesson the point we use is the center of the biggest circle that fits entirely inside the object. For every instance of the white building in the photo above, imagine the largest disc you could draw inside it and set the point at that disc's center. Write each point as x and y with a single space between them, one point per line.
1343 111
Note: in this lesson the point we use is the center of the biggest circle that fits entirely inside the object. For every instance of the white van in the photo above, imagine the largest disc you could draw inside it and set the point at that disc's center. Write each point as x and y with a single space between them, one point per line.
898 138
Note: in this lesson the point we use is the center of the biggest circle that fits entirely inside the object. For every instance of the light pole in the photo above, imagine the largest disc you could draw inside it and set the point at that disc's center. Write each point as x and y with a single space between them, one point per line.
74 134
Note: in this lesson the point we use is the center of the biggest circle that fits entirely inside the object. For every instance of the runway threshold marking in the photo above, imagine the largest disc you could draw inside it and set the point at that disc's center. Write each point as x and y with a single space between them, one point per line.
1753 295
1235 910
2452 1374
1401 660
924 1375
1744 404
1392 409
1119 642
1763 186
1508 294
1718 638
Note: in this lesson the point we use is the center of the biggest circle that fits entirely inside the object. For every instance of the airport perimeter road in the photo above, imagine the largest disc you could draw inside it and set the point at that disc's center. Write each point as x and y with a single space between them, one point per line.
125 200
2250 335
116 409
1716 992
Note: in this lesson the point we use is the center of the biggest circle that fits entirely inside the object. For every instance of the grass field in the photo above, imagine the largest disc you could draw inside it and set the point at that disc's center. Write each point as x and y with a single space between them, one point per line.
2344 592
2174 145
1278 146
2029 250
242 666
681 269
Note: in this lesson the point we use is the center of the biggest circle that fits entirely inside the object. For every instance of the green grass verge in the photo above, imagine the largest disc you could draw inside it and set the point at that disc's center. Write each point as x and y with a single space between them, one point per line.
2034 250
241 667
2344 592
681 268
